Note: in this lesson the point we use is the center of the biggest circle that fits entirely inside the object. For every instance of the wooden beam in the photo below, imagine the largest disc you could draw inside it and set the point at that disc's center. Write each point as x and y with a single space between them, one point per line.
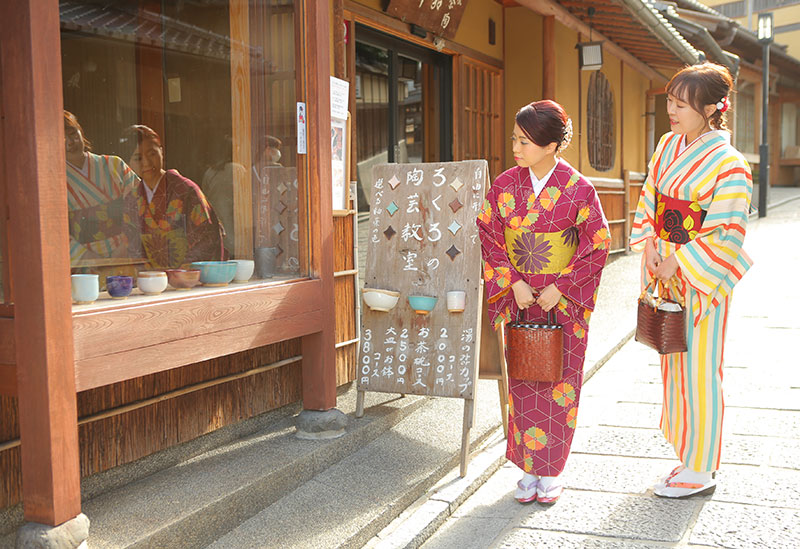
549 57
319 349
35 171
8 379
8 351
108 369
127 328
563 16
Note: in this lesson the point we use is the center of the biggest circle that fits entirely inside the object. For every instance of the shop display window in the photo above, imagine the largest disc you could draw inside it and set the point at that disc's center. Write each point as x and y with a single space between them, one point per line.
181 146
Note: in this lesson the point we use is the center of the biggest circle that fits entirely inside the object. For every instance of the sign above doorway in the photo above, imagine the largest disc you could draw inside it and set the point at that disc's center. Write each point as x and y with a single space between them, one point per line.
441 17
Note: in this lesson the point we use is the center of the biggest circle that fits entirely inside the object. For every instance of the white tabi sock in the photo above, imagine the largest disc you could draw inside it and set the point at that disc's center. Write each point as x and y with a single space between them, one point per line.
546 482
693 477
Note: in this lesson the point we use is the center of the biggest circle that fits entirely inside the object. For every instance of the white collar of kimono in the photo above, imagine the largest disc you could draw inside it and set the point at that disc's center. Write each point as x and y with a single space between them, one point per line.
725 135
84 168
538 184
150 192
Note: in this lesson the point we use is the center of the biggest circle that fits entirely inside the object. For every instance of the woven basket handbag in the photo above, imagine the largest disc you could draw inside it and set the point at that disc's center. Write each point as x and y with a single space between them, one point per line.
535 352
664 331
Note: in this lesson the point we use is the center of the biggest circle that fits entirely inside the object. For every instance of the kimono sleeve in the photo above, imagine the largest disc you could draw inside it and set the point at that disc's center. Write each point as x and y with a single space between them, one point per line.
579 280
644 220
203 233
131 215
708 260
498 273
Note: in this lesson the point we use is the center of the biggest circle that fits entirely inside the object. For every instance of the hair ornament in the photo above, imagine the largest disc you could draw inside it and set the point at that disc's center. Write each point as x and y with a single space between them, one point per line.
565 140
723 104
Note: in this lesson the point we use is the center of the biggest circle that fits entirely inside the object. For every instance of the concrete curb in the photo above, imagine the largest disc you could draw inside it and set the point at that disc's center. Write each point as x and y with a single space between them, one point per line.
754 215
421 519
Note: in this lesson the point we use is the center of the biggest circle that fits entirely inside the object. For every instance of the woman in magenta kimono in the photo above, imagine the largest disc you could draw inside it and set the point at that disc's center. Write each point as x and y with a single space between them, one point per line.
545 241
178 225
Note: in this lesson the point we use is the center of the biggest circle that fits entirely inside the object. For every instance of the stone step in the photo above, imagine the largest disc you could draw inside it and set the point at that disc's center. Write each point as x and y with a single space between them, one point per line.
349 503
195 501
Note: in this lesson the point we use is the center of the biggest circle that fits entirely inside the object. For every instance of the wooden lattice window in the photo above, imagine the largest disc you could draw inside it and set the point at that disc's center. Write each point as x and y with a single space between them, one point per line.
600 120
479 122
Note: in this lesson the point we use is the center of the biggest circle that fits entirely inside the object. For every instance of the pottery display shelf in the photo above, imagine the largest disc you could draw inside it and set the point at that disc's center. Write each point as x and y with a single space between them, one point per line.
136 297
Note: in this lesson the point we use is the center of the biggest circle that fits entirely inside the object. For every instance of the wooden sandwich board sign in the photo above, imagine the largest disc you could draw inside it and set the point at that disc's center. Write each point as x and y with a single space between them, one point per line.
423 241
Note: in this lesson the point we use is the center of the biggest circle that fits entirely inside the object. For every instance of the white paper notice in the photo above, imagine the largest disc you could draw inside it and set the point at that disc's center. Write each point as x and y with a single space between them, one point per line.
340 94
301 128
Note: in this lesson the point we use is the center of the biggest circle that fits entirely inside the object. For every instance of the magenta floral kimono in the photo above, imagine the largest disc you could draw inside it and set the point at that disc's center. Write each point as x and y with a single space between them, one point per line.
559 237
178 224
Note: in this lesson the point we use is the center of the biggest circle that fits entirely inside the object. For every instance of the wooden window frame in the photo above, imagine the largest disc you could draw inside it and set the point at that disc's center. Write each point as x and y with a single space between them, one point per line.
128 341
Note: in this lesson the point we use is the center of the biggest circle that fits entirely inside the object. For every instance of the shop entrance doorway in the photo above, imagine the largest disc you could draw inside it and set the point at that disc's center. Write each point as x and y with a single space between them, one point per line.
403 105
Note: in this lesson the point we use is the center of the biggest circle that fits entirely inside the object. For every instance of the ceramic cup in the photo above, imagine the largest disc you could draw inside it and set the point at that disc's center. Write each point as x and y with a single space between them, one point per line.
265 262
244 269
456 301
85 288
152 282
119 287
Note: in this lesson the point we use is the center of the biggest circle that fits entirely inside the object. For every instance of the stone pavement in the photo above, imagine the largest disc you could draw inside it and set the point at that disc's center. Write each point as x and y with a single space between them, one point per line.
619 452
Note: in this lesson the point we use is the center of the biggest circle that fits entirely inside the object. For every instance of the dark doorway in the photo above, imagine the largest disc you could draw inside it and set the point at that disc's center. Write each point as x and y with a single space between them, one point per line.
403 105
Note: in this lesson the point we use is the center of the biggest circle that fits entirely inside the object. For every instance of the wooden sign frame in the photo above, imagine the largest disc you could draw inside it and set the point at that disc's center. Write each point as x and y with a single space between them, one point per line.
441 17
424 242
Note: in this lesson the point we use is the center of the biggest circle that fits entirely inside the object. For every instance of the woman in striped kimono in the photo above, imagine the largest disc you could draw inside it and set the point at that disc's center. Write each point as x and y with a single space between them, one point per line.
690 222
101 194
544 241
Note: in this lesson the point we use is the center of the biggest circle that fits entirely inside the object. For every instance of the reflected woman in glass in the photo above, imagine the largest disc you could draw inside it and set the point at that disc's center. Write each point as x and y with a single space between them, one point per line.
177 223
101 194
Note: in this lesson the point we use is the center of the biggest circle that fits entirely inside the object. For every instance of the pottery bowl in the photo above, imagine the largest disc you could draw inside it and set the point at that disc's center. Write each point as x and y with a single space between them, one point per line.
380 300
244 269
85 288
183 279
215 273
151 282
119 287
422 304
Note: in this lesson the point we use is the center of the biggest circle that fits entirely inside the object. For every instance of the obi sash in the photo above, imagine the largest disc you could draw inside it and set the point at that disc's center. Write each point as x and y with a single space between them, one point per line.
540 253
678 220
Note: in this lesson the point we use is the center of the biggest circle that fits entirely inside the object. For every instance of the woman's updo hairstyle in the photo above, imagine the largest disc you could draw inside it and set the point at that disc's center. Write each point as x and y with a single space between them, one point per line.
545 122
133 136
702 85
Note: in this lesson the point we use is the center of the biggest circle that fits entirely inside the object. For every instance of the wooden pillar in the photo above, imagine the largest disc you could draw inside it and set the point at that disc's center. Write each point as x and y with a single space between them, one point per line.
319 353
339 51
548 57
242 134
150 78
35 173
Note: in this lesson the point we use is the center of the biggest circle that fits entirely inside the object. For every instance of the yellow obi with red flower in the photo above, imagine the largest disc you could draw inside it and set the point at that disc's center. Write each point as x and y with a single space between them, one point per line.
540 253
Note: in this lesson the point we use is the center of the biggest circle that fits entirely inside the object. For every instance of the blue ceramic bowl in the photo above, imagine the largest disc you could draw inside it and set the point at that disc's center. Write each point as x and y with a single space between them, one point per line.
120 286
215 273
422 304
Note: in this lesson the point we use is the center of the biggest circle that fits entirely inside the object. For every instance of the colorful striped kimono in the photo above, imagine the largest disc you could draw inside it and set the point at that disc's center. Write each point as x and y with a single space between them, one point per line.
102 210
559 237
694 204
178 225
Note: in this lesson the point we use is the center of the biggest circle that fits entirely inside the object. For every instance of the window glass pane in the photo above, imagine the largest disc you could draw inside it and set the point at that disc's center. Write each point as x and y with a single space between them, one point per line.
180 138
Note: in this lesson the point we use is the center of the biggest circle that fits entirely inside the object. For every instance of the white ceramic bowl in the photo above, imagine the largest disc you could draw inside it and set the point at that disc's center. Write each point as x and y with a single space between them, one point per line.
380 300
244 269
152 282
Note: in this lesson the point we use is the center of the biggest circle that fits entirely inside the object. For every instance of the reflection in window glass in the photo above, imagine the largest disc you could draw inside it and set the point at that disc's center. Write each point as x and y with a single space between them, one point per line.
180 135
